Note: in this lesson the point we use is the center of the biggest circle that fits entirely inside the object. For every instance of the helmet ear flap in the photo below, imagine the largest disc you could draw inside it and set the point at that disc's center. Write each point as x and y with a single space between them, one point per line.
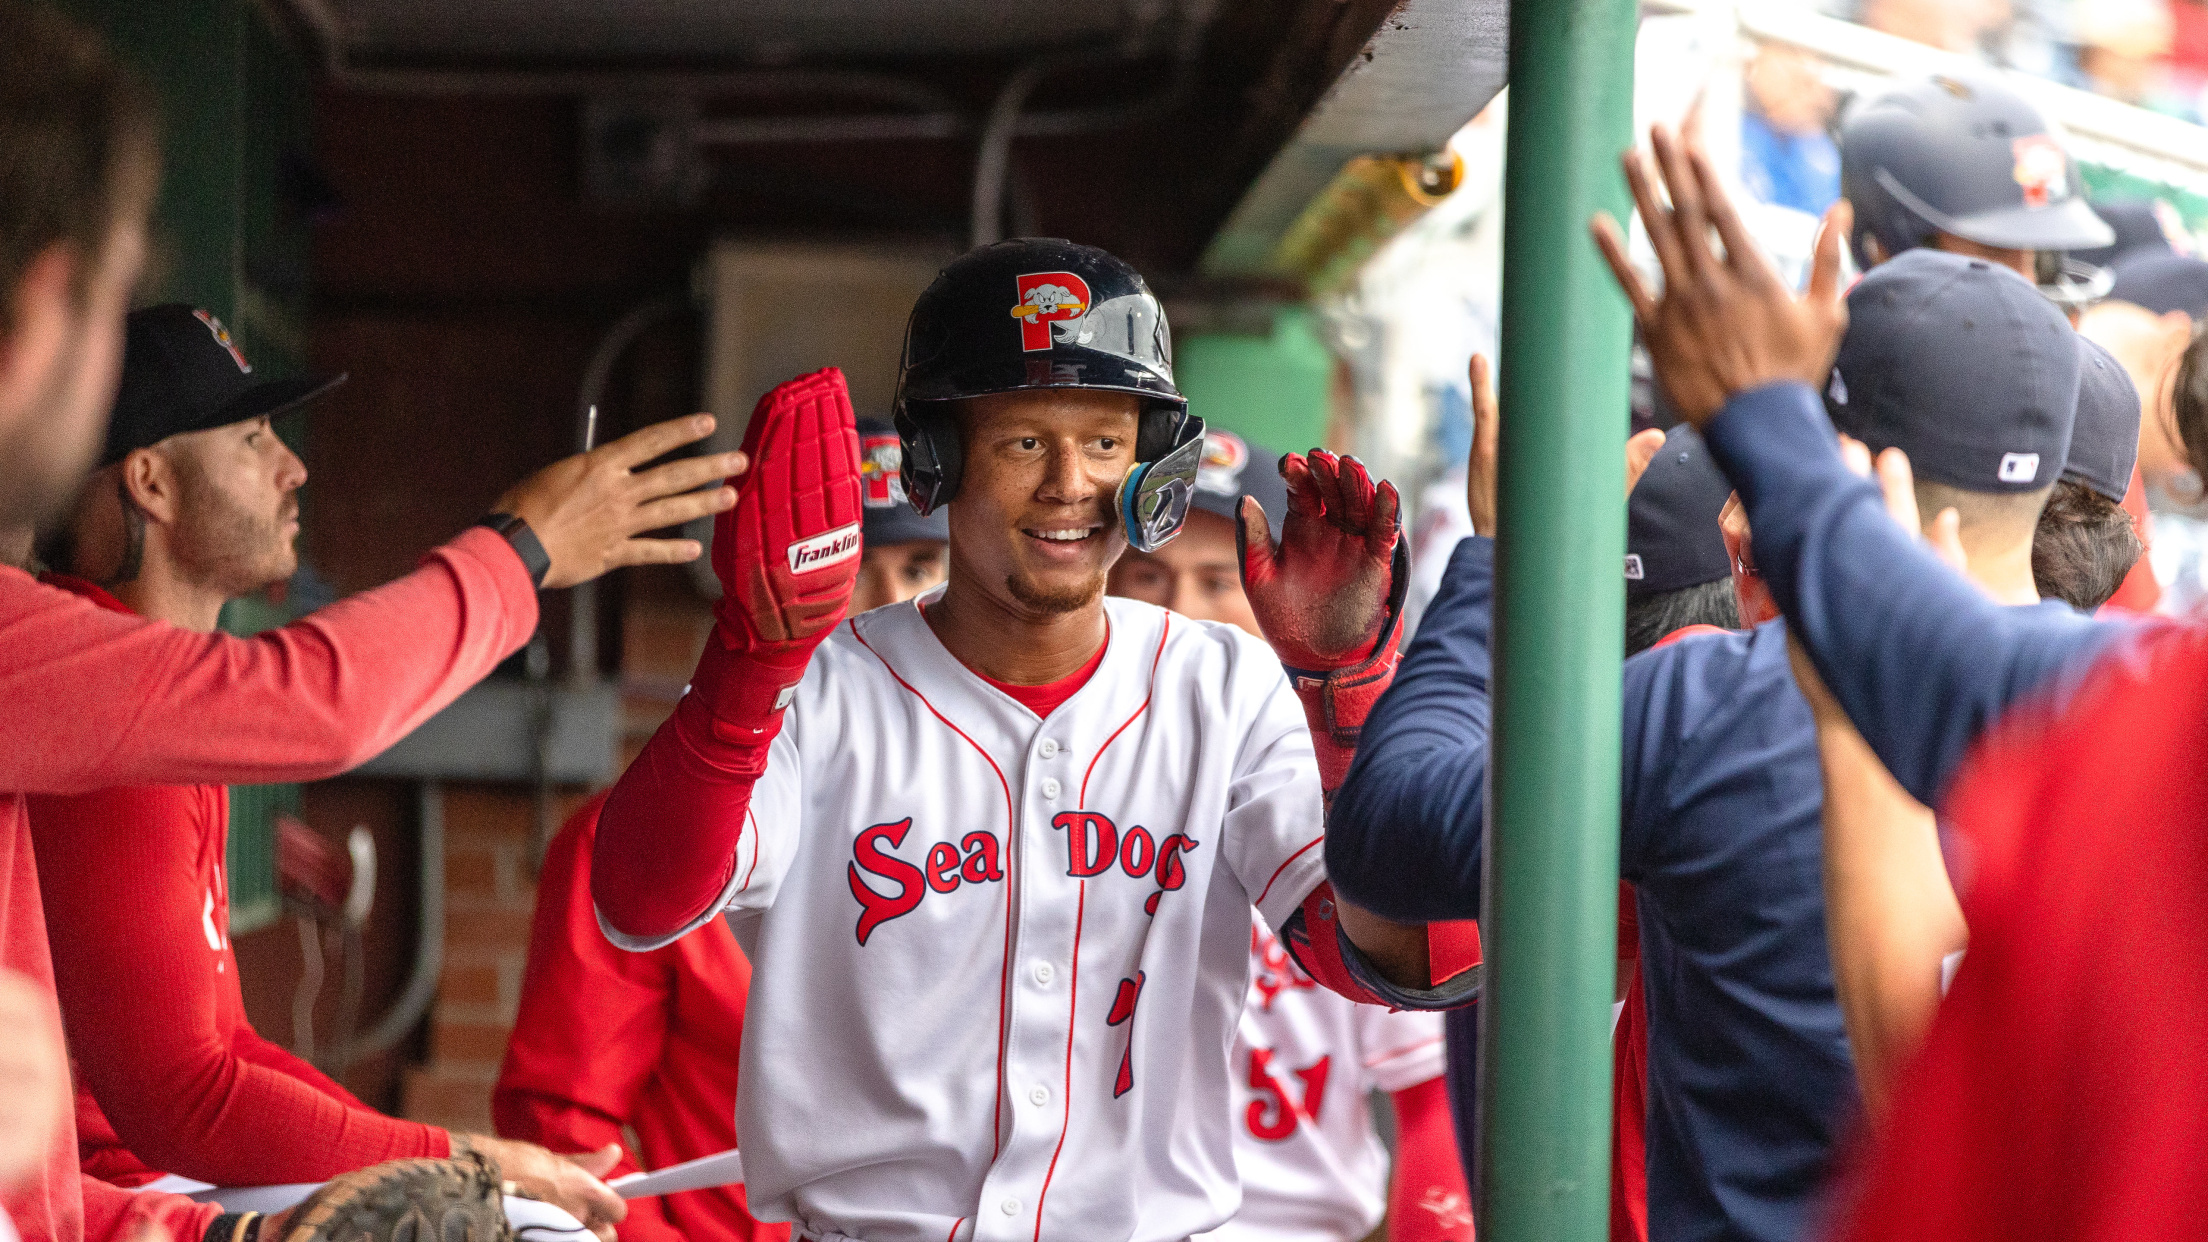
934 457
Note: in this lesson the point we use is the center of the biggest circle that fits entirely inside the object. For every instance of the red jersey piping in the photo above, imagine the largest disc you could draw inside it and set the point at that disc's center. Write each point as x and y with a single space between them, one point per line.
1284 866
1073 1003
1004 975
1155 660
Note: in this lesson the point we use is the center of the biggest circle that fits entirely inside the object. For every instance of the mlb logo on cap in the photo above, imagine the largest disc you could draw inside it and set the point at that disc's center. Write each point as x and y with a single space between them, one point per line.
2019 467
1633 570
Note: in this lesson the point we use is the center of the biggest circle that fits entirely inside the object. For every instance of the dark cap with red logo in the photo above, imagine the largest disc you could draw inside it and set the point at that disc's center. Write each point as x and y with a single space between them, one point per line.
886 512
1232 468
182 373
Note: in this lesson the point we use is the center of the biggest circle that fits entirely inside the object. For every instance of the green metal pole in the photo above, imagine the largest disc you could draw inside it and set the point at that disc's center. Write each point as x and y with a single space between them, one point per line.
1549 913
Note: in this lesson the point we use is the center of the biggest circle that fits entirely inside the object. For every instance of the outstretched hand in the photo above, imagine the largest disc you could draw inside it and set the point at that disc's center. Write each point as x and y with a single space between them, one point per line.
1321 592
588 510
1724 323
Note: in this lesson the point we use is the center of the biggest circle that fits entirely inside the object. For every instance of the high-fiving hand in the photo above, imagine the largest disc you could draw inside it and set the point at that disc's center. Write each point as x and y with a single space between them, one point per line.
1481 470
1321 593
1724 322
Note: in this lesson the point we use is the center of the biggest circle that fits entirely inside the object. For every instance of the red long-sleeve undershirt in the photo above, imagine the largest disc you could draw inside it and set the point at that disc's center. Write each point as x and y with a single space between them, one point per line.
94 698
171 1062
654 1051
1427 1199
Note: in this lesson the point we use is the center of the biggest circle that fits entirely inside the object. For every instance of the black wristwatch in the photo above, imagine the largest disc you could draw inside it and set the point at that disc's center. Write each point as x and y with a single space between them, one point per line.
526 545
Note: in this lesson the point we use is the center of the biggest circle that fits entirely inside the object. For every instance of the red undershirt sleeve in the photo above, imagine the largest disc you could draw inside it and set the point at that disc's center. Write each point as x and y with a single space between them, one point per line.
1427 1199
155 1054
666 847
100 698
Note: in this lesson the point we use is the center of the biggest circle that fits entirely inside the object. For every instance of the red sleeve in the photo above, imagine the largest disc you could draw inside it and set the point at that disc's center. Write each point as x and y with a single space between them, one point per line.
158 1055
99 698
1427 1198
667 840
249 1046
112 1214
1629 1120
572 1072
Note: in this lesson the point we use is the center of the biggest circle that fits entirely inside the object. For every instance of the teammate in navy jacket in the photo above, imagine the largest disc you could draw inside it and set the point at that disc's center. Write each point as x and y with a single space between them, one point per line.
1750 1081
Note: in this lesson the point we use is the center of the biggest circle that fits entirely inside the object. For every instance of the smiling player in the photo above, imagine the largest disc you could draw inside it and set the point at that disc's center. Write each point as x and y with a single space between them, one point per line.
993 855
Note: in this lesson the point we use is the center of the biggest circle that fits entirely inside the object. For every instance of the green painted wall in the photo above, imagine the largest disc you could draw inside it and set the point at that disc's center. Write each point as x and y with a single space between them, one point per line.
1272 389
231 230
231 233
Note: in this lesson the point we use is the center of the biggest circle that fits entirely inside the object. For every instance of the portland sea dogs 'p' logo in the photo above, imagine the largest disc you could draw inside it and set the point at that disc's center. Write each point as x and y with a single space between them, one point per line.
1045 298
821 551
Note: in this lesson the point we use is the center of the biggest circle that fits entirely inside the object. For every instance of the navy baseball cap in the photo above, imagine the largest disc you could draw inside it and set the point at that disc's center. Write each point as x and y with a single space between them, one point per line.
2105 442
2137 223
2162 282
1672 540
885 515
1963 365
183 373
1232 468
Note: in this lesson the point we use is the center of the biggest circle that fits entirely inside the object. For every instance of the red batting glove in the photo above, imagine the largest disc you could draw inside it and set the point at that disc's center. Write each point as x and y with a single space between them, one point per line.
1328 595
787 555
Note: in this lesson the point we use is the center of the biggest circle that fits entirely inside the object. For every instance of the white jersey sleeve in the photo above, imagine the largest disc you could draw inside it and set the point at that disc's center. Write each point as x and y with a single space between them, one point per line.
1274 840
1400 1048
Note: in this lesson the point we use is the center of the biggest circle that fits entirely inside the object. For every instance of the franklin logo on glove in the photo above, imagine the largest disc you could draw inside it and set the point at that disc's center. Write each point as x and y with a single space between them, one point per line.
821 551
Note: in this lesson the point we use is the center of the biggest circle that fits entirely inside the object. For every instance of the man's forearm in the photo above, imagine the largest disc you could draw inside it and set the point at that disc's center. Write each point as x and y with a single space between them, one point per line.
1403 836
1890 913
1919 658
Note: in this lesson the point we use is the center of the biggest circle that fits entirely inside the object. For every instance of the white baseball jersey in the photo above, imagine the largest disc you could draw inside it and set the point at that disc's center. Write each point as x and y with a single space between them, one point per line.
998 961
1305 1060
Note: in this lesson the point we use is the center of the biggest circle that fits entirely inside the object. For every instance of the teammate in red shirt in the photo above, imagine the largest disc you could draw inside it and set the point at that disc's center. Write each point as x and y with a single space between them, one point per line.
99 698
195 503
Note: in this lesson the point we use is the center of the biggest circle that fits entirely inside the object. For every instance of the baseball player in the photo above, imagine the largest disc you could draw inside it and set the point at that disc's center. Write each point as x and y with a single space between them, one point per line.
1967 165
1749 1080
196 502
993 854
906 554
2058 1092
1306 1059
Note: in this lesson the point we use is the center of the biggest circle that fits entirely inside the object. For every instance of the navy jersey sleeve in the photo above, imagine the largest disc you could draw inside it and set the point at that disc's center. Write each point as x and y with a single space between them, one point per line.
1403 837
1920 658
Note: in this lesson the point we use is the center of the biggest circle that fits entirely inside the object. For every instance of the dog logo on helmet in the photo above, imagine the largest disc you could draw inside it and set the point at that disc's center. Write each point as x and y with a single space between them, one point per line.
1220 471
1045 298
2042 169
881 478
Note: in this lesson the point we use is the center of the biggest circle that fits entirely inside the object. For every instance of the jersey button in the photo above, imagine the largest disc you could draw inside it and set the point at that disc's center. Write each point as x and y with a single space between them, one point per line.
1010 1207
1049 749
1043 972
1050 787
1039 1096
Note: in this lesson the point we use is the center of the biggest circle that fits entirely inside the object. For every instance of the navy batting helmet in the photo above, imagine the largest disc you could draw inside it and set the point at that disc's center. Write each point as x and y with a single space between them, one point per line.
1046 313
1965 156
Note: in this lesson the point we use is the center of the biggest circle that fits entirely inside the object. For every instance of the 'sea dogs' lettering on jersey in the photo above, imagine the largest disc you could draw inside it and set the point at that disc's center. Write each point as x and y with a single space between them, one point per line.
976 859
1094 844
821 551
